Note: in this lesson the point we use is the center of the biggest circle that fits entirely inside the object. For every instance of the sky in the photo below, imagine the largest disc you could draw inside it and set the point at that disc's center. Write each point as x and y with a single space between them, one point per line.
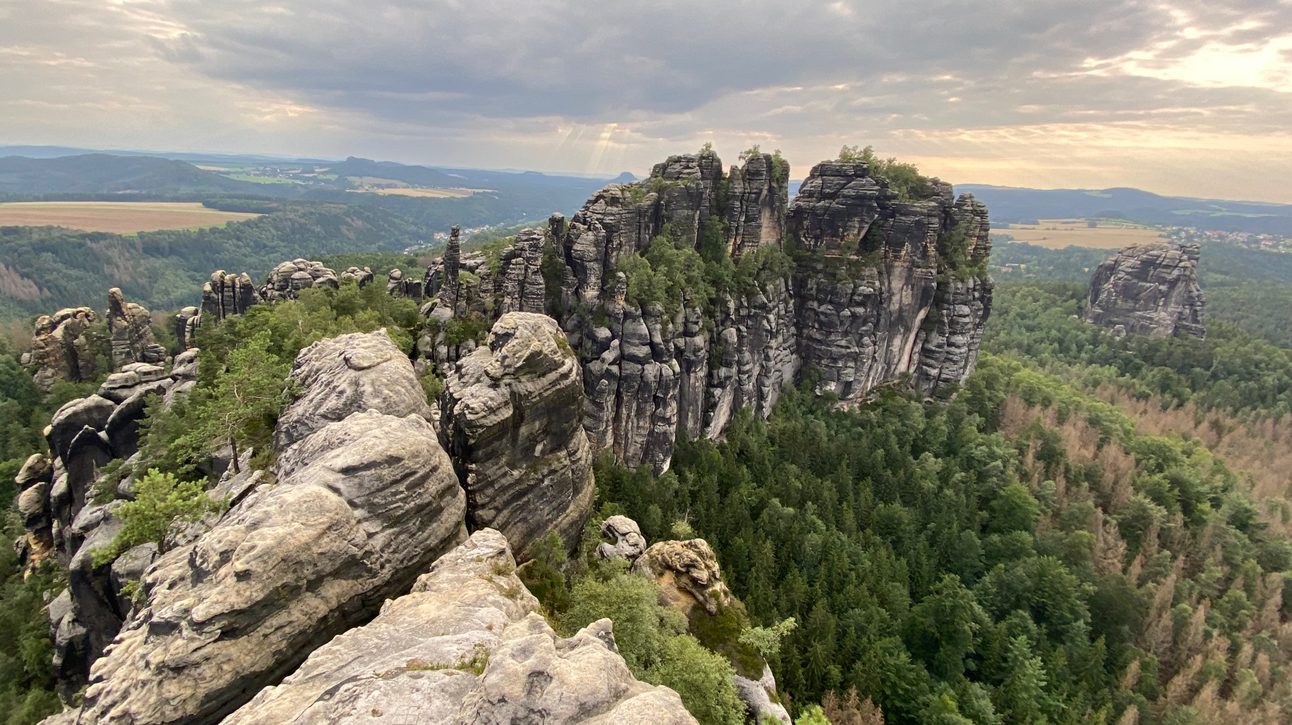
1185 97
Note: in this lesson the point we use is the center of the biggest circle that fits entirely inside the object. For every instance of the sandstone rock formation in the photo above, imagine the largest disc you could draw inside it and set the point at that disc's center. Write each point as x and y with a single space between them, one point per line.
287 279
883 288
364 502
186 321
61 350
130 328
510 412
228 294
67 502
400 285
1149 290
360 275
690 581
467 645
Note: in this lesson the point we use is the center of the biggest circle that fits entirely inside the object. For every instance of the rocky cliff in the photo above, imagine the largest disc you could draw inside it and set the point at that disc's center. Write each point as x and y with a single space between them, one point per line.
1148 290
510 413
850 284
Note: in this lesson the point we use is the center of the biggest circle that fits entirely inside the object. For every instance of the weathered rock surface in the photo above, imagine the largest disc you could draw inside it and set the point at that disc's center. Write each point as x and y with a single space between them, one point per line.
629 542
510 412
344 374
60 348
887 289
66 503
400 285
186 321
1149 290
360 275
287 279
130 328
690 572
465 646
364 502
228 294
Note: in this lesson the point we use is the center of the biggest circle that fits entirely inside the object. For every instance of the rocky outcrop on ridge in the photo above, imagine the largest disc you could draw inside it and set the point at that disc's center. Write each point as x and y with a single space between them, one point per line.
67 500
131 332
510 412
401 286
881 288
690 581
363 502
228 294
1149 290
60 348
287 279
466 645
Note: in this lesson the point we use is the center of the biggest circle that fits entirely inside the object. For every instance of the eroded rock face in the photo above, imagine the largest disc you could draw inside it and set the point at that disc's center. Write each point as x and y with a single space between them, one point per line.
1149 290
228 294
467 645
510 412
344 374
884 289
364 501
287 279
130 327
60 349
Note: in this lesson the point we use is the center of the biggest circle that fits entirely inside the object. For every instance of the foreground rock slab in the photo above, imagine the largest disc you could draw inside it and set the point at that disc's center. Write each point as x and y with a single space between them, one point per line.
465 646
362 506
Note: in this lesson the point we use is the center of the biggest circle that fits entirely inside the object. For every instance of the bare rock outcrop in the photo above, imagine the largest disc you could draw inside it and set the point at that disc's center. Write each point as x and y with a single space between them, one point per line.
401 285
1149 290
882 288
68 498
466 645
511 415
130 328
61 349
364 501
287 279
228 294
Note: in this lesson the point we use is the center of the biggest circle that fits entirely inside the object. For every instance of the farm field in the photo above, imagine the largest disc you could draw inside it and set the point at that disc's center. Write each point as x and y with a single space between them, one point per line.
1061 233
119 217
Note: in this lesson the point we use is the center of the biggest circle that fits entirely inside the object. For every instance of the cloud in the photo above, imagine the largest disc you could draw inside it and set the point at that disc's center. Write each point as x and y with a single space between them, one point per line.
559 84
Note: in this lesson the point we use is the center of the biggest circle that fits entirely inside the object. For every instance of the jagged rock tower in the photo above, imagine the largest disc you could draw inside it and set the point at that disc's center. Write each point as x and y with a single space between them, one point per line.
1149 290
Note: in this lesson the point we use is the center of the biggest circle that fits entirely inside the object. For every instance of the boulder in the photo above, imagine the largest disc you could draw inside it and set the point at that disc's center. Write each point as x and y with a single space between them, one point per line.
349 373
510 411
466 645
1149 290
629 542
287 279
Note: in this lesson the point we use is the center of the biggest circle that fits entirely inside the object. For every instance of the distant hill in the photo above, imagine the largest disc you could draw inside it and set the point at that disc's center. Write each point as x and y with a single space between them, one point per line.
1009 204
99 174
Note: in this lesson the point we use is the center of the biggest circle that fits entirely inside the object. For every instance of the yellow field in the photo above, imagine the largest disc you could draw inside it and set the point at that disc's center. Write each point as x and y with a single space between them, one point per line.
120 217
1060 233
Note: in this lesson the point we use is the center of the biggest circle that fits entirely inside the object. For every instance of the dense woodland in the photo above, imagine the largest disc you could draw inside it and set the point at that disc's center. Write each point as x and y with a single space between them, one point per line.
1091 530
